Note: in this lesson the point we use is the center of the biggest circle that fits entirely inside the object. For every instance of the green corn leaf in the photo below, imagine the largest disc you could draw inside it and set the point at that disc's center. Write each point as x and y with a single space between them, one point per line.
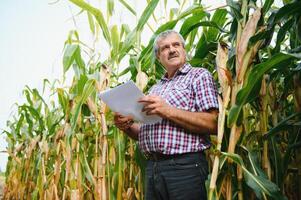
29 122
148 11
125 29
207 41
131 37
191 21
127 44
235 10
115 40
203 23
287 10
260 184
98 16
87 91
267 5
277 61
123 2
54 124
192 36
260 36
63 99
257 183
36 115
37 95
68 56
281 34
81 84
217 21
283 125
172 13
91 22
110 7
125 71
299 28
19 124
277 161
27 94
87 170
191 10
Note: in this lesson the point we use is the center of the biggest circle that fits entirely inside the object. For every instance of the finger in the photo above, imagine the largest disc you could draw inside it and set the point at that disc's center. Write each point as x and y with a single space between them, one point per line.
151 112
150 107
146 99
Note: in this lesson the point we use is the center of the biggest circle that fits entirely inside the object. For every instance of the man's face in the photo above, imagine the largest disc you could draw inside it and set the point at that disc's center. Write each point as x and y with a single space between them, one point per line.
171 53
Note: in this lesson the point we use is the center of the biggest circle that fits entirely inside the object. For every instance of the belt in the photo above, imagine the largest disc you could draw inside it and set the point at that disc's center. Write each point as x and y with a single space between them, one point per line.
155 156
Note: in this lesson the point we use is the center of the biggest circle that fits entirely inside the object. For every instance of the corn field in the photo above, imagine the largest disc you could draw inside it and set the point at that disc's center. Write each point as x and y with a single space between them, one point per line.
66 146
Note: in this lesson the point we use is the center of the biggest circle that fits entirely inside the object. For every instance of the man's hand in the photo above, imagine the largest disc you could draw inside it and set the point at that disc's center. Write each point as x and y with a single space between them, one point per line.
155 105
123 122
196 122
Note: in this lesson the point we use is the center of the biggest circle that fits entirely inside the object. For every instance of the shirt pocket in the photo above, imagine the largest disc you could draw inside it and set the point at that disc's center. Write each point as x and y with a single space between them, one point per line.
179 95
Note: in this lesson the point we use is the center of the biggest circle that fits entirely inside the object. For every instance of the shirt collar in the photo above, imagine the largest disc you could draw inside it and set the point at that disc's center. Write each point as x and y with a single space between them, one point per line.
182 70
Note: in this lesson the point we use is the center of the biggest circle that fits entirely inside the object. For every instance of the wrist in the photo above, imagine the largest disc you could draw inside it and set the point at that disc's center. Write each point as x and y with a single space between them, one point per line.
128 125
169 112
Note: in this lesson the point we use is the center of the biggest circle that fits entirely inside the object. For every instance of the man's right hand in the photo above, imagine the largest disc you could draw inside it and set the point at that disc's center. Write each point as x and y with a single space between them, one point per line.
123 122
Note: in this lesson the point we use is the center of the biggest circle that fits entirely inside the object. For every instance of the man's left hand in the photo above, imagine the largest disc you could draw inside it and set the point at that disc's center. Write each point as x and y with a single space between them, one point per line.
155 105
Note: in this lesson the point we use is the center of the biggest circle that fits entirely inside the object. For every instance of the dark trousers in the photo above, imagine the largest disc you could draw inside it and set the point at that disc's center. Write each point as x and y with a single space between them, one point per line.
178 178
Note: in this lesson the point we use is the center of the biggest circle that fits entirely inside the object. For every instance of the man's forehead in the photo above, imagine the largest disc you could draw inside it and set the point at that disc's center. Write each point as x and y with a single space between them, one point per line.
168 38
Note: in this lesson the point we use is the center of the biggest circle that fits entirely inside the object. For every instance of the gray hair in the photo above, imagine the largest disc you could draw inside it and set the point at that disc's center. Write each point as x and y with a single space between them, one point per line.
164 34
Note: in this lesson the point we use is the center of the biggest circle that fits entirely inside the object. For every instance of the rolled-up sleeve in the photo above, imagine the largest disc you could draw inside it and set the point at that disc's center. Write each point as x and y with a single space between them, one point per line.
205 91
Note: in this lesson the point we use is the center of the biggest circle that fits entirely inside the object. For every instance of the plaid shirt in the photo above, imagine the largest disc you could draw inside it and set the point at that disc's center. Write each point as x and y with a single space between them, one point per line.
191 89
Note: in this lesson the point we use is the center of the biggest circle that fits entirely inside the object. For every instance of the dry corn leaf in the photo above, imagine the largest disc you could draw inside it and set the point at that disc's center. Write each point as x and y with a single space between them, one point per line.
224 75
141 80
248 31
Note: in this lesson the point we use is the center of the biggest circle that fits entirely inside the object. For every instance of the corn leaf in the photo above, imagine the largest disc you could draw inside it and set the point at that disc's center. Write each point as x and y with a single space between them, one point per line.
110 7
63 99
235 10
98 16
123 2
91 22
255 76
281 34
267 5
217 22
68 56
286 11
87 91
207 41
257 183
115 40
283 125
146 14
191 21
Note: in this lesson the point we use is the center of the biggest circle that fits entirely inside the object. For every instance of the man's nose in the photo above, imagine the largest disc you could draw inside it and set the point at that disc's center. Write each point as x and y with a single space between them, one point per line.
172 49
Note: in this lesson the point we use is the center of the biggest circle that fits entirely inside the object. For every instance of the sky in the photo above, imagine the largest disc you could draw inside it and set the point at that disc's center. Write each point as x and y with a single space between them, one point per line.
32 37
31 44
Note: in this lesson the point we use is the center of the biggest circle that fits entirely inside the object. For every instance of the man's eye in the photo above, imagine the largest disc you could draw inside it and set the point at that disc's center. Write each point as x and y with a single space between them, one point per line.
163 48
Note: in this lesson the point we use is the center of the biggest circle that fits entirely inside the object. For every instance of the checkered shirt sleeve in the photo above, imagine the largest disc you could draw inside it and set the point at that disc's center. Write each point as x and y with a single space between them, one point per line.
205 91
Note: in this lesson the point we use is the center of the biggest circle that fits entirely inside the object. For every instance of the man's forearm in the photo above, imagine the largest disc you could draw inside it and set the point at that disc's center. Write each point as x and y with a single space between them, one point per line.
196 122
133 131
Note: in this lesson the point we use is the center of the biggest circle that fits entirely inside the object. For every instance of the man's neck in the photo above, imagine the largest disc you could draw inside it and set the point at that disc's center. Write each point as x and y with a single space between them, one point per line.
172 71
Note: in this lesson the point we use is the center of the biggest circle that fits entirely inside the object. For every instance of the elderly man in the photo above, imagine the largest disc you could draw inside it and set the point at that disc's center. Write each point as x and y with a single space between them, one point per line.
186 99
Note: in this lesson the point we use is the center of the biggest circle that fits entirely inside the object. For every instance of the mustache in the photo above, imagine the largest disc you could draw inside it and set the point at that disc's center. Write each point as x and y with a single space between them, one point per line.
173 55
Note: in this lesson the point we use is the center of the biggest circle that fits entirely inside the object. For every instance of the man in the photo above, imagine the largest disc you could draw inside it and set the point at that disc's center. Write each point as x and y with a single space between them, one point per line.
186 99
